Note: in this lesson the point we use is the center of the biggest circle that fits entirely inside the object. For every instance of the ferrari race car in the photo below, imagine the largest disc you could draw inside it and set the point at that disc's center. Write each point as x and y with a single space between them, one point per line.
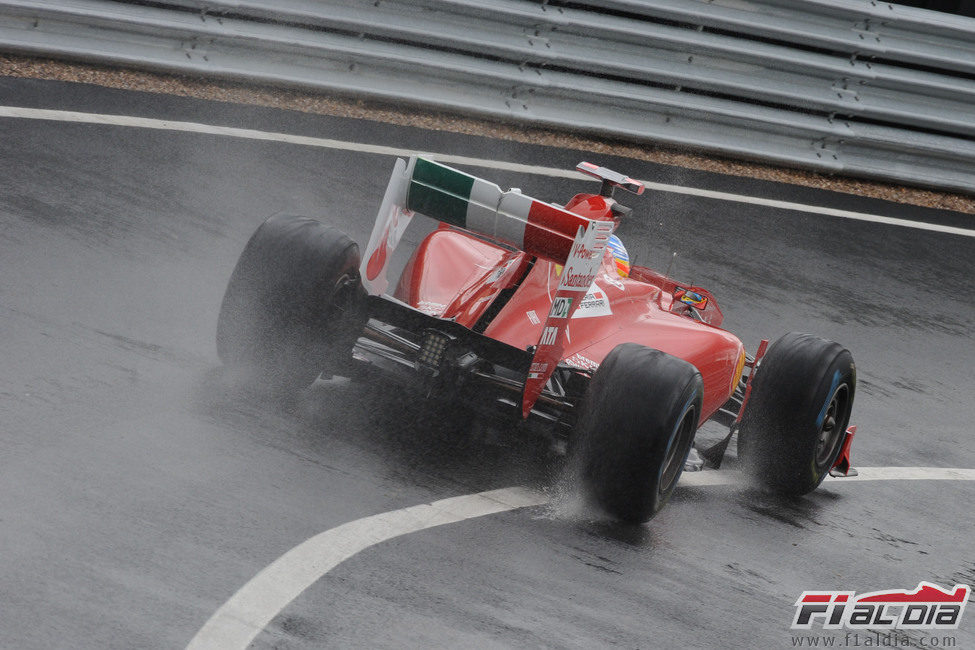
527 311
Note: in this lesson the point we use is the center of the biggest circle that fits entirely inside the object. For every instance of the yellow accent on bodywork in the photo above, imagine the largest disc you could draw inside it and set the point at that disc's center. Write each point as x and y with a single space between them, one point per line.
738 370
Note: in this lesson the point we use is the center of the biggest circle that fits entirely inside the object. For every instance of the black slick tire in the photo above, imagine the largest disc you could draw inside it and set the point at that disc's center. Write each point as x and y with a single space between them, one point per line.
635 429
294 303
796 417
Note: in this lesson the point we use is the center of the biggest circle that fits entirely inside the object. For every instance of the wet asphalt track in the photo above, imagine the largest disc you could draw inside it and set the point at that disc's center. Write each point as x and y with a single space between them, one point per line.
139 489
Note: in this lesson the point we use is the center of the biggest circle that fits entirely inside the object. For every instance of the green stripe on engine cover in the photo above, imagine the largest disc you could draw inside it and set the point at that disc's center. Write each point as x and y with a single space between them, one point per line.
440 192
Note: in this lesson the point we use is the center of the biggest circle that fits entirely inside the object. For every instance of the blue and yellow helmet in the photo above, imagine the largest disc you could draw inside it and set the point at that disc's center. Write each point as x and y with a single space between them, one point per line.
620 255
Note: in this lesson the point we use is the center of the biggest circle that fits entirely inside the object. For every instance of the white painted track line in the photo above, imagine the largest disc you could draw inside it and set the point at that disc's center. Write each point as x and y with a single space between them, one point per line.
256 604
908 474
251 134
238 621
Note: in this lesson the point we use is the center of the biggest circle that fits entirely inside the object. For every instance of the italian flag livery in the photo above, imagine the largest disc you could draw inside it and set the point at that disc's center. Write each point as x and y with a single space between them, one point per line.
453 197
468 202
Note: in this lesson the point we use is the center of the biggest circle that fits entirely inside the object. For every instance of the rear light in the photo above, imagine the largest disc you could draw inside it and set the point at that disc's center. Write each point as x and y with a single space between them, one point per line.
432 348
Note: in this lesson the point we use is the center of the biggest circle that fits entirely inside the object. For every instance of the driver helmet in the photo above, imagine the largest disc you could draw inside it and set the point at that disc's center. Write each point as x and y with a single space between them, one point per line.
622 259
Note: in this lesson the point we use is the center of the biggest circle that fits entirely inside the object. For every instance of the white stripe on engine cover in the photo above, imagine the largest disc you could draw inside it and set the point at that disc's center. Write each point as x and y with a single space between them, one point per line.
482 206
513 217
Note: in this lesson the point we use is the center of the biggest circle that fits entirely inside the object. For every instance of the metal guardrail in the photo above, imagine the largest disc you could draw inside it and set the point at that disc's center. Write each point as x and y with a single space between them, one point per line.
852 86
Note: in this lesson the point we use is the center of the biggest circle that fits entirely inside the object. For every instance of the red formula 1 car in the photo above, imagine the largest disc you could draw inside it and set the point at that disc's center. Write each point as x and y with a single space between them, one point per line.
527 311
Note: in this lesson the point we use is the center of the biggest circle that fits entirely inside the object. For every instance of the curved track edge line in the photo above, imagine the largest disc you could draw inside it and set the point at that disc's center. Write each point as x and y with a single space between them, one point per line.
254 606
245 615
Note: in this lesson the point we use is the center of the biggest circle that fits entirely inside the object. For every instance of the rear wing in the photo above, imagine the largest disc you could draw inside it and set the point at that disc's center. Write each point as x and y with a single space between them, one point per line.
453 197
450 196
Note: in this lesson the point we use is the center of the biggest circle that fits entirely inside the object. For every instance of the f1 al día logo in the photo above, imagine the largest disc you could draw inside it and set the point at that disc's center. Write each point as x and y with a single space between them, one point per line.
929 607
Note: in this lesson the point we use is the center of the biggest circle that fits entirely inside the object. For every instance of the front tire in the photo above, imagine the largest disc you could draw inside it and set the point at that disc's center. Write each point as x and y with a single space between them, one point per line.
635 429
796 418
294 303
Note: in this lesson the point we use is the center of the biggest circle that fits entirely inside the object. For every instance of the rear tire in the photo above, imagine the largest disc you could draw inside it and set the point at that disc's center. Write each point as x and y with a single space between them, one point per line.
294 303
635 430
795 421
